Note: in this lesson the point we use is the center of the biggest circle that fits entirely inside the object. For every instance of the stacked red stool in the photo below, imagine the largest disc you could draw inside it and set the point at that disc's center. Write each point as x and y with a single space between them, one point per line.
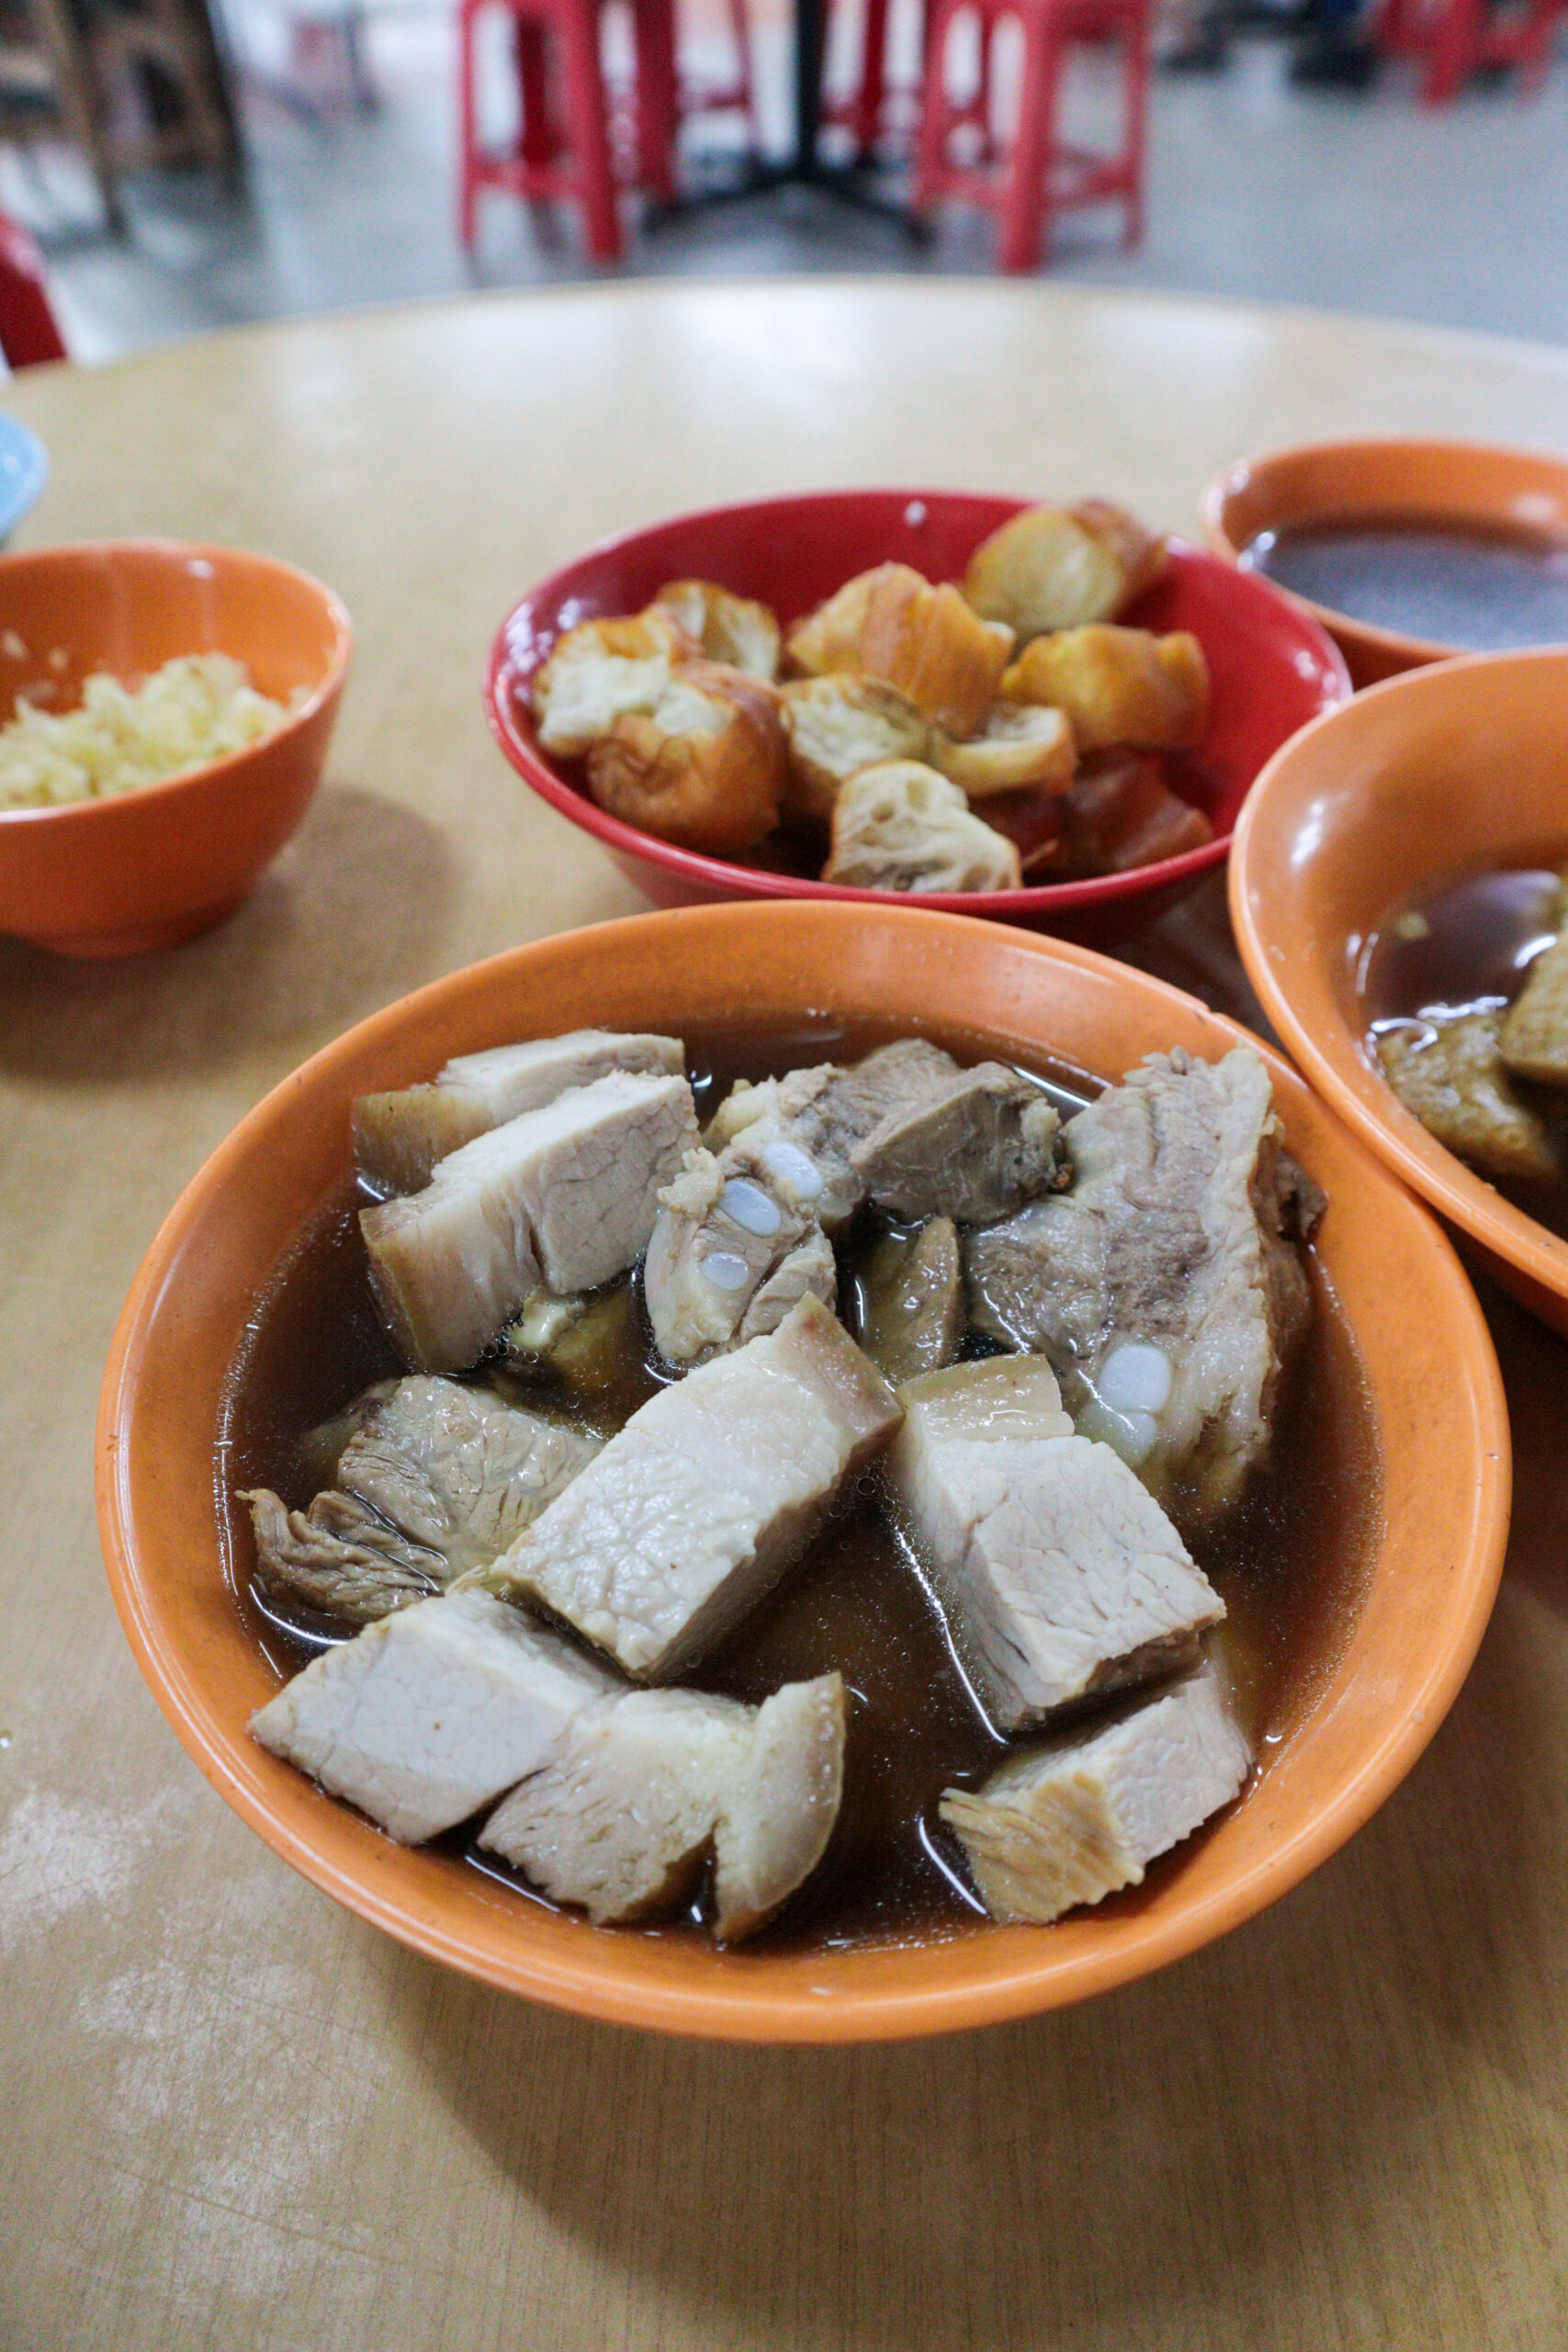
568 147
1456 37
1040 175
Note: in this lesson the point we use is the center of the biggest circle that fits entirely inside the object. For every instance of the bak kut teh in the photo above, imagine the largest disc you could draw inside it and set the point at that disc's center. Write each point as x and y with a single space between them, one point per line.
906 735
834 1486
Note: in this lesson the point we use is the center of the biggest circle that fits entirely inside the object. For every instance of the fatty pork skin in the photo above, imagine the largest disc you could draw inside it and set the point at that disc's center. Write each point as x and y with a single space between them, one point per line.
1074 1818
643 1788
436 1478
712 1489
565 1195
399 1136
431 1713
1165 1286
1060 1574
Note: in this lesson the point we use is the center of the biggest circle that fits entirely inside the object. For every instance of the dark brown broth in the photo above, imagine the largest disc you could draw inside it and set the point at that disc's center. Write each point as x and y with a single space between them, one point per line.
1289 1563
1462 943
1451 581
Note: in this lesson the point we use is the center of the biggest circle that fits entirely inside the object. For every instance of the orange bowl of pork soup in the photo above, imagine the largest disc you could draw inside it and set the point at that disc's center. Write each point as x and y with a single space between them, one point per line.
1354 1604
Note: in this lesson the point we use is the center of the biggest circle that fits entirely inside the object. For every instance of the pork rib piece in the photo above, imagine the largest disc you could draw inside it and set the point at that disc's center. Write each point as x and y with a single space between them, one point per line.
707 1495
1060 1572
1165 1287
734 1246
431 1713
565 1195
980 1143
399 1138
434 1478
806 1124
643 1787
1072 1819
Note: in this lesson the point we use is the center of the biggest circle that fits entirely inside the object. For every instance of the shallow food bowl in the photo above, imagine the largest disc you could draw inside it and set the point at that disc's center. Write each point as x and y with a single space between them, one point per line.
149 867
1388 1669
1445 769
1414 482
1272 669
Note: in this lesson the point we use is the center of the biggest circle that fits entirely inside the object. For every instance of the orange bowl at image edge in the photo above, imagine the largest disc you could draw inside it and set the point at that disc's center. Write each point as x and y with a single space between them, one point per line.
149 867
1444 770
1468 482
1435 1395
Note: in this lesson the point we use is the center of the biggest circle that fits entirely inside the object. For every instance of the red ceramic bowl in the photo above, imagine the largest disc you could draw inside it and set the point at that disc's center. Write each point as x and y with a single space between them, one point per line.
1272 667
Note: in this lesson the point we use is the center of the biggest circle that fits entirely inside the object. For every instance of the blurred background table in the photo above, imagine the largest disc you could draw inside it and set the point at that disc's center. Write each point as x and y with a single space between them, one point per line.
237 2118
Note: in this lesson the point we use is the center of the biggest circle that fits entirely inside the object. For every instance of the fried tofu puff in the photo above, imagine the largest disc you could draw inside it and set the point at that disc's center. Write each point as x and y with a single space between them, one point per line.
704 767
599 671
733 629
890 623
838 725
1059 567
1117 686
1020 743
902 827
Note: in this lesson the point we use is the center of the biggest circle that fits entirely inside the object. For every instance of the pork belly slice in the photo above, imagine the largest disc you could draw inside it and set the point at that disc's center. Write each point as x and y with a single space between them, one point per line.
979 1143
431 1713
564 1195
399 1138
643 1787
1073 1819
1165 1286
734 1246
434 1478
707 1495
806 1124
1059 1572
911 1301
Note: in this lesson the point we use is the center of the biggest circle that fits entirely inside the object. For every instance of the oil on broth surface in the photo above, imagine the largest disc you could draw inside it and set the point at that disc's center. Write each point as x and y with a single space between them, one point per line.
1288 1564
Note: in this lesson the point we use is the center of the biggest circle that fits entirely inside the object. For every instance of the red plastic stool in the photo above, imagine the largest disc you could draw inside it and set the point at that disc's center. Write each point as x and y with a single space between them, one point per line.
28 335
564 149
737 95
1041 174
1456 37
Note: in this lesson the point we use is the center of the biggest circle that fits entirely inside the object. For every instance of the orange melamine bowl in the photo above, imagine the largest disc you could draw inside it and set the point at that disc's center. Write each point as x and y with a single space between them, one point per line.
1416 482
1436 1549
148 868
1445 769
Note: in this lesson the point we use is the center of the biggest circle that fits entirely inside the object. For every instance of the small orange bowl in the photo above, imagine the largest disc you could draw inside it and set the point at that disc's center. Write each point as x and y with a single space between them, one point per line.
1466 483
1443 770
1382 1678
149 867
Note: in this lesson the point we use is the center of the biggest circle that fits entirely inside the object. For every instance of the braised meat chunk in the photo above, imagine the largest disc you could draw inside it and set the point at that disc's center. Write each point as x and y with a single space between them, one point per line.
972 1146
1073 1819
910 1294
735 1246
435 1479
431 1713
399 1138
645 1786
807 1124
564 1195
1165 1286
1449 1069
1060 1574
707 1495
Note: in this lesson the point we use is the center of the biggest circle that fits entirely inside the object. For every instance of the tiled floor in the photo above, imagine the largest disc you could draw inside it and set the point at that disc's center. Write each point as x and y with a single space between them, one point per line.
1458 217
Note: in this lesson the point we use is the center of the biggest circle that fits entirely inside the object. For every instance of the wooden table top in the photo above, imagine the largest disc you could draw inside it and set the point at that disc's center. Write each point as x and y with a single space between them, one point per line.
236 2118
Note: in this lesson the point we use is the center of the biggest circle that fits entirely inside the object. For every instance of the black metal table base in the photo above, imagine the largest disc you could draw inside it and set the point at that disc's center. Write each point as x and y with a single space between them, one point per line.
844 183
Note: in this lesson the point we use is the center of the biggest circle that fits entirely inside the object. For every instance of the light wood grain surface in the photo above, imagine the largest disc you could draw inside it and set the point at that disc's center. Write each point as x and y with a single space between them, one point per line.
235 2117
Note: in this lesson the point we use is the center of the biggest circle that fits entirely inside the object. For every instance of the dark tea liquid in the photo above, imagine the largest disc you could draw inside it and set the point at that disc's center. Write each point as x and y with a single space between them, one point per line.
1482 587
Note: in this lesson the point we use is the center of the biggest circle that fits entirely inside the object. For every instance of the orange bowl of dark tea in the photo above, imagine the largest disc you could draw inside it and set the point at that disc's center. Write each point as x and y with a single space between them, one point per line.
1406 552
1399 1417
1426 803
146 867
